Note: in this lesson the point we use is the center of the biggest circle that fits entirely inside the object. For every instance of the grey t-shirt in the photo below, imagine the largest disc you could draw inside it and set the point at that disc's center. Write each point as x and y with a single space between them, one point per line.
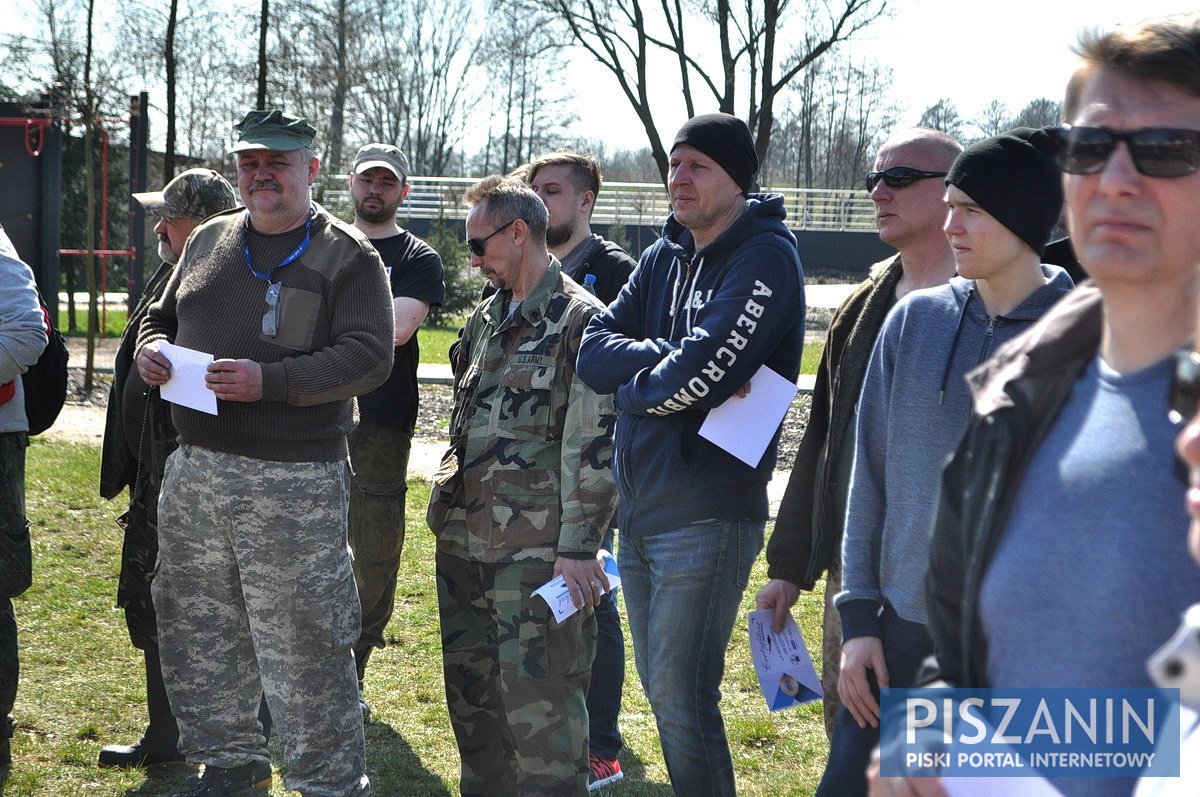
1093 572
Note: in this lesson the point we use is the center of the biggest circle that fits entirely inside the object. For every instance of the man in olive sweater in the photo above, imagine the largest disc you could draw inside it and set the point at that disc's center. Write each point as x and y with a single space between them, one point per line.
255 583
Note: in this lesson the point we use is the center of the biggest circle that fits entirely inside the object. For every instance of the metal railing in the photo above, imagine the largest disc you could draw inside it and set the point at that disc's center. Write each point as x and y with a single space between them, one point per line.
642 204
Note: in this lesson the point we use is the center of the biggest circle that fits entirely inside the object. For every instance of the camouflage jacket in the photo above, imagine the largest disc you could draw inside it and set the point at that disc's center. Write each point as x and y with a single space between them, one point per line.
528 475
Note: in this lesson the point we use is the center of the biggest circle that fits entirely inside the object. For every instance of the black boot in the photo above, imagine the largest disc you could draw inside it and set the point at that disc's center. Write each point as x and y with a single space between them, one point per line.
160 743
246 780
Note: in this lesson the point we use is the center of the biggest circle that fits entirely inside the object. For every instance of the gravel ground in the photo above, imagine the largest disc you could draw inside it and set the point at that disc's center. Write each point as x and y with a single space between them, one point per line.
83 418
437 401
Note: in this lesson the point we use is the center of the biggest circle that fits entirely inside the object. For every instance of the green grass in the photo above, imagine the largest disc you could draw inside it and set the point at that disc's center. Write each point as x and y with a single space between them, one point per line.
436 340
81 681
813 351
112 320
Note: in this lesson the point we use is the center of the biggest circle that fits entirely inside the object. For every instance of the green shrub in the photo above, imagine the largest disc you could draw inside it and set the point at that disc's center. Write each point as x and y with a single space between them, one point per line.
463 285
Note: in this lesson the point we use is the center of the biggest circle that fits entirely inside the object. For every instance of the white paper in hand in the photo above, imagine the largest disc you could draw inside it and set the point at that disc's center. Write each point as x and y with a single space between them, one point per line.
555 593
187 387
785 670
744 426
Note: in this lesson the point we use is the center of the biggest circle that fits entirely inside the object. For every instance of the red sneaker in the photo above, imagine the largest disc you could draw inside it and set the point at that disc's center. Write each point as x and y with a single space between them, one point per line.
603 772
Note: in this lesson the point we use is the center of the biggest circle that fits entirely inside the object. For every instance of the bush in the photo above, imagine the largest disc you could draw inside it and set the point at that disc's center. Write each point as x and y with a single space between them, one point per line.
463 285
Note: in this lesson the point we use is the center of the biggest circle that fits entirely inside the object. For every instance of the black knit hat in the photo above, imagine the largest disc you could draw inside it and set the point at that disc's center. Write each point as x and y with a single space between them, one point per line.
1013 177
726 139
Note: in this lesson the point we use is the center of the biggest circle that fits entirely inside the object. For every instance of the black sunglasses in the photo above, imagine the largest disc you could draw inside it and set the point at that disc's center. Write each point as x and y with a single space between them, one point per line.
899 177
1185 386
478 246
1155 151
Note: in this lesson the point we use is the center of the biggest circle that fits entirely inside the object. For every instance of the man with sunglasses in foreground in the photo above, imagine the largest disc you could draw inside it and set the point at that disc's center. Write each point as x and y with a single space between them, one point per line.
524 494
1059 550
906 187
255 583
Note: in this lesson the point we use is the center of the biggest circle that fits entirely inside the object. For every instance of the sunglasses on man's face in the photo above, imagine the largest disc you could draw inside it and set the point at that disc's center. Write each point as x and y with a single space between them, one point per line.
1155 151
478 246
899 177
1185 387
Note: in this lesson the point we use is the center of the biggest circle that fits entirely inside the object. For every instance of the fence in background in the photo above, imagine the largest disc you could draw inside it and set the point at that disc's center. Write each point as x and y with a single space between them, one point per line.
644 204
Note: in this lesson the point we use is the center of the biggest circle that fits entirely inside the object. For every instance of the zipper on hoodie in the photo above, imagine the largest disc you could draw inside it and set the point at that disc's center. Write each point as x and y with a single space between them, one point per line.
988 336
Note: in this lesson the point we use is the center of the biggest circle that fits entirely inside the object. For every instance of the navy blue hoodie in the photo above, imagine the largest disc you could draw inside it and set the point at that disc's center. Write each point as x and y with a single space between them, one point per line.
685 333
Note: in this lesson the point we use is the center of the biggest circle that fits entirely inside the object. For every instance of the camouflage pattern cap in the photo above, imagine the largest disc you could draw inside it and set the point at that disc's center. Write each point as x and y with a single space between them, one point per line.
194 194
383 156
273 130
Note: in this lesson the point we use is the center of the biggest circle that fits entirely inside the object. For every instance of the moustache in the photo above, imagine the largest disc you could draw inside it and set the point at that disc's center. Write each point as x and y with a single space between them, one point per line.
266 185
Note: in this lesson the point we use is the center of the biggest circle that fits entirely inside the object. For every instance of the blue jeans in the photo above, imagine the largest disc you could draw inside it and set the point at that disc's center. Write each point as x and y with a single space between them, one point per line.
682 592
608 676
905 646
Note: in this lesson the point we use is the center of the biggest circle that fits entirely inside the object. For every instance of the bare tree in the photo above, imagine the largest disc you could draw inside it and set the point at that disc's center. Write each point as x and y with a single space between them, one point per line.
90 81
622 34
264 24
836 116
942 115
521 48
420 61
314 64
995 119
1040 113
214 87
169 63
89 118
210 90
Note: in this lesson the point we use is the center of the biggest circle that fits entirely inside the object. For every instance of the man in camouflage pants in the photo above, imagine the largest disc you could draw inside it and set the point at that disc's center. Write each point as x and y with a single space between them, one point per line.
138 436
524 494
255 589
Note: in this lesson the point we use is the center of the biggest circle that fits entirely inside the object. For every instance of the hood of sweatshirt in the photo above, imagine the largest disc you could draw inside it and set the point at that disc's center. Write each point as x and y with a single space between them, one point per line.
764 213
970 305
703 322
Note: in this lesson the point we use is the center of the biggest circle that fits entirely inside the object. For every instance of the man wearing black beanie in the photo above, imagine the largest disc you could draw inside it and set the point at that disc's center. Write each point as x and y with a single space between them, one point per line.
717 297
1004 196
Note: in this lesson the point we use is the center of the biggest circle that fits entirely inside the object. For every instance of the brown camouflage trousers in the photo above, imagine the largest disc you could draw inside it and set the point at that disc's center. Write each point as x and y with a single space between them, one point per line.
255 586
379 464
516 681
15 530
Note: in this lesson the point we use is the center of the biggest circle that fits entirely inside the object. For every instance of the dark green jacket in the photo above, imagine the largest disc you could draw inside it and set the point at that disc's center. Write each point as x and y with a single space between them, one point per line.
808 532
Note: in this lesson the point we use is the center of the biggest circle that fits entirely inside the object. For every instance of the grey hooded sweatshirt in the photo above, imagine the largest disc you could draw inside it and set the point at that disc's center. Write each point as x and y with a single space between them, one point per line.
912 412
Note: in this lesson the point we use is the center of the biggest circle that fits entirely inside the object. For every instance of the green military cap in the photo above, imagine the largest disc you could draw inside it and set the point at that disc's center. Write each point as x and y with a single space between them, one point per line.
194 194
273 130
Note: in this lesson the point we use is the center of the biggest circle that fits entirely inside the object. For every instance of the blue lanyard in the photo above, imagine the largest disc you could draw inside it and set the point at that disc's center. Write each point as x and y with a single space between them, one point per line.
299 250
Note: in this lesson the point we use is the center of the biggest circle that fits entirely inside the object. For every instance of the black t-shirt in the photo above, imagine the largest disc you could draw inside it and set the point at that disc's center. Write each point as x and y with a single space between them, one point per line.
415 271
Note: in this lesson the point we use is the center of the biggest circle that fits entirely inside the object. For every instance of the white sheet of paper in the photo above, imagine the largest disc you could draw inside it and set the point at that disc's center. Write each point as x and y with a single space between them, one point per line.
744 426
186 386
785 670
555 593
